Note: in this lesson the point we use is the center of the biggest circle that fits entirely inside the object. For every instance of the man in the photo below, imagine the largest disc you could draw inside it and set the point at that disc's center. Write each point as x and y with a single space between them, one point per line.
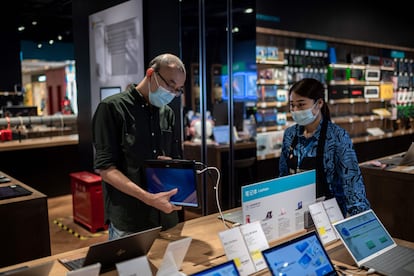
126 131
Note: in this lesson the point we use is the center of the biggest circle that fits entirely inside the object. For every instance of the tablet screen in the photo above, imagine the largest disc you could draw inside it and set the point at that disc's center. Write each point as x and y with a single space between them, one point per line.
165 175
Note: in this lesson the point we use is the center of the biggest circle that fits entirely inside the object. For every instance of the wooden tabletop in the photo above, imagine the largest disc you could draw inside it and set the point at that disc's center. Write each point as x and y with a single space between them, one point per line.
205 250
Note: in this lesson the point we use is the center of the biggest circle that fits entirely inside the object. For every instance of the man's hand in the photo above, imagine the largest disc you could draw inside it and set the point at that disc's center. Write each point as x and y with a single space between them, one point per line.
161 201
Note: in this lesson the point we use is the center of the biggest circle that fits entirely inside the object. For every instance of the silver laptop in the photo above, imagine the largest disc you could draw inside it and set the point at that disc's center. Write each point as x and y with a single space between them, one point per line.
405 159
222 135
233 217
227 268
109 253
36 270
303 255
372 247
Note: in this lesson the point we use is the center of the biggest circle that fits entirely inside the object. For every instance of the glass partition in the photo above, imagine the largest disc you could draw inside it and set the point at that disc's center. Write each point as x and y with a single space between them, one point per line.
218 48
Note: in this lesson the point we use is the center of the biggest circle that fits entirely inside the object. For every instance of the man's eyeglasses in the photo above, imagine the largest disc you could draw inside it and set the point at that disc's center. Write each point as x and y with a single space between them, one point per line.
176 92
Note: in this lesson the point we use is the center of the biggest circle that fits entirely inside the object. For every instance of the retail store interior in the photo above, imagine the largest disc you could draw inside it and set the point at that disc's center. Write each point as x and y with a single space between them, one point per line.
54 80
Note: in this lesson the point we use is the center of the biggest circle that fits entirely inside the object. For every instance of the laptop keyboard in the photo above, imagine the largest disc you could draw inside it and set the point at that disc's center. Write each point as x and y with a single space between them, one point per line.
74 264
392 259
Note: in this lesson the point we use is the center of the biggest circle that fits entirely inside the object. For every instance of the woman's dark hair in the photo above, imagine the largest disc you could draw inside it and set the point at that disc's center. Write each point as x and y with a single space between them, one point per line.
312 89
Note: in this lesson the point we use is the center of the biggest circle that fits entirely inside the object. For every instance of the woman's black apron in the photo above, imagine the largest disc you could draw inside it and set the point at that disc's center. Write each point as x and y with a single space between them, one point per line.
310 163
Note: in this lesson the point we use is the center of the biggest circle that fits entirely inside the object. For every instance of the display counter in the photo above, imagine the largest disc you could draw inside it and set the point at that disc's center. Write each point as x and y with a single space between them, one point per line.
42 163
205 250
24 234
43 142
390 191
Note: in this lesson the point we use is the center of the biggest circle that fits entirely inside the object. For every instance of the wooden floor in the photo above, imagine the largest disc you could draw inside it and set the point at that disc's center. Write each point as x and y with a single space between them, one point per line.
66 235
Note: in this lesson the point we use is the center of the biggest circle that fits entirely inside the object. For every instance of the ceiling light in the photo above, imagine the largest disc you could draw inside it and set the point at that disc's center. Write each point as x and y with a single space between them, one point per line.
39 45
21 28
34 23
248 10
59 37
51 41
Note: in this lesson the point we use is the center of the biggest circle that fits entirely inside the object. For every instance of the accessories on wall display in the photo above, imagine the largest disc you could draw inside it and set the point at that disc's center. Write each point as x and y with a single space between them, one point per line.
371 92
386 91
373 60
356 91
372 74
338 92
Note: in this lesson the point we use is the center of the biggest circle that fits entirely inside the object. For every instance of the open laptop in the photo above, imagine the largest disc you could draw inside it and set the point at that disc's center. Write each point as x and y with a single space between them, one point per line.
227 268
303 255
372 247
233 217
110 252
36 270
406 159
222 135
13 190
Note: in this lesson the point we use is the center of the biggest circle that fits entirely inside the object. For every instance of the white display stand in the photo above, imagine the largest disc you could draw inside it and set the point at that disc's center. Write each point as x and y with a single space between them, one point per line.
323 214
244 245
173 258
137 266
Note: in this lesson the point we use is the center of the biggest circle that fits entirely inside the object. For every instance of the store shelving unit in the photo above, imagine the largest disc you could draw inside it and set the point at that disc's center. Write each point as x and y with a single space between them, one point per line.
368 114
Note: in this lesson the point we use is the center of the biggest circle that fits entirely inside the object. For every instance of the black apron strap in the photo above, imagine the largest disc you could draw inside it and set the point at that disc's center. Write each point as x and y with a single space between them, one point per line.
322 187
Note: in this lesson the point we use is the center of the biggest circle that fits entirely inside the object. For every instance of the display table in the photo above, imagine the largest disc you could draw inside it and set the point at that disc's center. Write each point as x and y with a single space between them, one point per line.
43 142
43 163
24 234
390 191
205 249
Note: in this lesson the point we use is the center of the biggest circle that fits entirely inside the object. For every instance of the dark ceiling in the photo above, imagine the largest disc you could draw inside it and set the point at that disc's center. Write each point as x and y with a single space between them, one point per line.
53 17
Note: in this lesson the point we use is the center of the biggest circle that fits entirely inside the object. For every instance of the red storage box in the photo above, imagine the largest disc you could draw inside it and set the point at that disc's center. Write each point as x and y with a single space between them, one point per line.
87 199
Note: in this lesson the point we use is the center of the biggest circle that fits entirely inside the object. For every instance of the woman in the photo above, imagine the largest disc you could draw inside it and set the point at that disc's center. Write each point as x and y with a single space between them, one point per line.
315 142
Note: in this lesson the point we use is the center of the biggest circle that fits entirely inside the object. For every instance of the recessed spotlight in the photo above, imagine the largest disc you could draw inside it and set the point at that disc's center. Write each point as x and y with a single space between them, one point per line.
39 45
51 41
34 23
248 10
59 37
21 28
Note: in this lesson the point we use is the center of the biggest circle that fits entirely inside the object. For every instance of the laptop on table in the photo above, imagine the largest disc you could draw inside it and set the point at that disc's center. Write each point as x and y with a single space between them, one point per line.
36 270
227 268
303 255
406 159
372 247
222 134
111 252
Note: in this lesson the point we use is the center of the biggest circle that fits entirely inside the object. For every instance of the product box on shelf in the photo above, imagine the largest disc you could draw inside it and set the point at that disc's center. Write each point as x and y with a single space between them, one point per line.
338 92
386 91
87 199
272 53
261 52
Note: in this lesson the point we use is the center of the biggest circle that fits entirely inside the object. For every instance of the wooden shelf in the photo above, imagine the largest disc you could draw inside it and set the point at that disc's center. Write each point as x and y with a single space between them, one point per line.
355 118
356 100
271 104
379 137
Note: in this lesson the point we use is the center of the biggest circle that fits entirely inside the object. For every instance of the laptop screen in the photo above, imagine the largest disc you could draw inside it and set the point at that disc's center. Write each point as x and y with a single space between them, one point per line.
165 175
304 255
225 269
222 136
364 236
408 159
